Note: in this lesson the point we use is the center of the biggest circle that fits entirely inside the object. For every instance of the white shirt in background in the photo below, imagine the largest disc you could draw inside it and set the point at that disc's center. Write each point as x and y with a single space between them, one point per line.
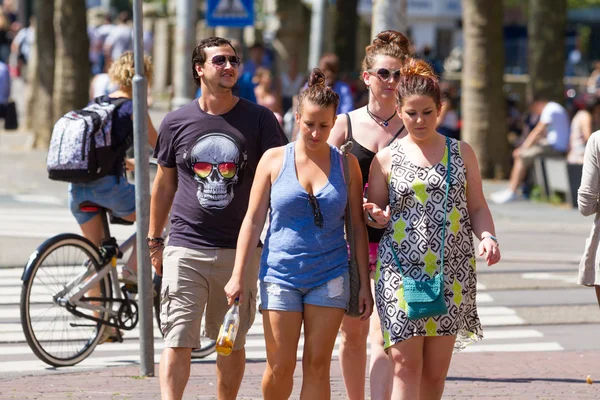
557 123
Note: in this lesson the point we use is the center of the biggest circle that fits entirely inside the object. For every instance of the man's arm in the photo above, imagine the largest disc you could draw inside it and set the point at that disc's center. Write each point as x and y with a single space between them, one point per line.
163 191
535 135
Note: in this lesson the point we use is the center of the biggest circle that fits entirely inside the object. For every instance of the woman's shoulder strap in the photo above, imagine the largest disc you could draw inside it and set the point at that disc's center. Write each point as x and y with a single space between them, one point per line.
349 129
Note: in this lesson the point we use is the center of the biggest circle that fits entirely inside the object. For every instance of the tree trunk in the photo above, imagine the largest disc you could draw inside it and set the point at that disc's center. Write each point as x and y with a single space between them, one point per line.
346 27
41 63
389 14
72 72
483 104
546 29
292 33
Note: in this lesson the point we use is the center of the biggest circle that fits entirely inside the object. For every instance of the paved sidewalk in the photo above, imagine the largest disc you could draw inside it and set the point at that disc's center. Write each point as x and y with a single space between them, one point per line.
556 376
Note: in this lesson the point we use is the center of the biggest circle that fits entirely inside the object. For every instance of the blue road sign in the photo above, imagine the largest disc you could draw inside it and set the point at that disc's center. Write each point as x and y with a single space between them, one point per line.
235 13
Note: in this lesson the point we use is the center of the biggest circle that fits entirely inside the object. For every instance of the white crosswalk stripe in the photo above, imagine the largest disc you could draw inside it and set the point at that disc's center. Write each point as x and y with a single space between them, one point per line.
503 328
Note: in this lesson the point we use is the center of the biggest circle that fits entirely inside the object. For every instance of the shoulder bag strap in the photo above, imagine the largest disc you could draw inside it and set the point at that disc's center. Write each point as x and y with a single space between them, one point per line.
348 220
448 183
349 130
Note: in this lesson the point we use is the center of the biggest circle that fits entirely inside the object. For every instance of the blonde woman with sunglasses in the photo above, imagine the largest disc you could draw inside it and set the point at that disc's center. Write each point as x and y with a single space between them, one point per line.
371 128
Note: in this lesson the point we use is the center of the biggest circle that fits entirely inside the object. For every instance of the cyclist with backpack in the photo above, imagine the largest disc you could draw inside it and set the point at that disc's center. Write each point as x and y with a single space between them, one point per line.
113 191
88 149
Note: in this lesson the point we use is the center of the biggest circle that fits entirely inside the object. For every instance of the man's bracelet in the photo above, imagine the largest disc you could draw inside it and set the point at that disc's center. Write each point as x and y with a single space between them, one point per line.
155 241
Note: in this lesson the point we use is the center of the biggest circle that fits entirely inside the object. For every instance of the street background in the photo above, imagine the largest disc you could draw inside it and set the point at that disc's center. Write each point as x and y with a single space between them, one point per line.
540 328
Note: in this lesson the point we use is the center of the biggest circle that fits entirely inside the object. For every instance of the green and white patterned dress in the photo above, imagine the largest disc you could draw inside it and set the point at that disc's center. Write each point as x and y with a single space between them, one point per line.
416 198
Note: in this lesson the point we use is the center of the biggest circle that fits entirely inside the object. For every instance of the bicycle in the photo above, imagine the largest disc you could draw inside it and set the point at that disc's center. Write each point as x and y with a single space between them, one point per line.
71 293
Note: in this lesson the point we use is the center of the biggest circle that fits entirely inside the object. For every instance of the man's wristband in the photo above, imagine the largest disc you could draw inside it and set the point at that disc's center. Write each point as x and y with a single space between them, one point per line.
153 241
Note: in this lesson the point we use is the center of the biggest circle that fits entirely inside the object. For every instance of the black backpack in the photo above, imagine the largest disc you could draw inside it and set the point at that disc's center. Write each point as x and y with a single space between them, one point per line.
82 148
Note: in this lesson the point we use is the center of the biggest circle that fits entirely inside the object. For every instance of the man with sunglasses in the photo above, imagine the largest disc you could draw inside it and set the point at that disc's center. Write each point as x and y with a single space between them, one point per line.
207 154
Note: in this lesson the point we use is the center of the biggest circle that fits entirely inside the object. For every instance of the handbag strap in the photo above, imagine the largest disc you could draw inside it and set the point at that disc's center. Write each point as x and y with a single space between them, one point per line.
448 181
345 148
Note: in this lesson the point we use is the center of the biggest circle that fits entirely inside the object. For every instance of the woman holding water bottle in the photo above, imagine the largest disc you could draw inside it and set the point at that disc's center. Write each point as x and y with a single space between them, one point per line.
304 266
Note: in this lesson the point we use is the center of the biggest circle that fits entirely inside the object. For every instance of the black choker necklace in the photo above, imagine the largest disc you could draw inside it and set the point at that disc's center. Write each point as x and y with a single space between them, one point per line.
380 121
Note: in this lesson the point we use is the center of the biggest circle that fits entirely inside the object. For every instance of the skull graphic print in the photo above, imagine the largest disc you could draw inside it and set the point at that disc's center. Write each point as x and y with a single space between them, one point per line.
217 161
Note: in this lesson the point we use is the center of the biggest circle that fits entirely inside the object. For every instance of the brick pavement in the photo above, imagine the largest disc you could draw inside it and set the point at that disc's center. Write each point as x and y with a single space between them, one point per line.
556 376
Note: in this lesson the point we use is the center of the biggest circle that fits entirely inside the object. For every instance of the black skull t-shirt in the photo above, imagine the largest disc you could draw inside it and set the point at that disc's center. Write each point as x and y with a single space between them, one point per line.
216 158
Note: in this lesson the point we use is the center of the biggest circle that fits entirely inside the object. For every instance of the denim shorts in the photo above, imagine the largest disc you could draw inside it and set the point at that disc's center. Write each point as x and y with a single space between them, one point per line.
117 196
335 294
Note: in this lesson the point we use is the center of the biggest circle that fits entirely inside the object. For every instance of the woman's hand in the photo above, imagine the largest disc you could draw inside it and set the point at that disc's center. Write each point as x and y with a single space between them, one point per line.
365 302
490 248
234 290
381 217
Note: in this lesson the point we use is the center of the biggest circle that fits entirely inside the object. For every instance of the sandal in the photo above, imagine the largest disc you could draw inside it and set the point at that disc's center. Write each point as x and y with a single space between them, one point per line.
110 335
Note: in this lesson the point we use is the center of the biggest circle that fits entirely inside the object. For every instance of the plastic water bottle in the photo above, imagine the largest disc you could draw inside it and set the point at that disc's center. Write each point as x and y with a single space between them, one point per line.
228 332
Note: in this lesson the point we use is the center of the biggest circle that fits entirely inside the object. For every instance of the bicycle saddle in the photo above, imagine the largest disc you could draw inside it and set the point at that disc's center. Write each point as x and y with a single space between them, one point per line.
88 206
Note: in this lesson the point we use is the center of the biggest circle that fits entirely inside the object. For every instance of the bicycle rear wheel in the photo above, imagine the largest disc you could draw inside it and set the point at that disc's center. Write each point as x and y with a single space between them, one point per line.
207 345
59 268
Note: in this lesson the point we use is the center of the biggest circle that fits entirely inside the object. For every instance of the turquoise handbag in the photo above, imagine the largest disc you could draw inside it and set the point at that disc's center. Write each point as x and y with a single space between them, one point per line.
425 299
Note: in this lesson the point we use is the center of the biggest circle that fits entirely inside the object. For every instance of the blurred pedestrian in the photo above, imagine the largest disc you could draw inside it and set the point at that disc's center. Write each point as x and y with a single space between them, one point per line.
100 27
119 38
304 277
21 47
330 65
447 122
588 201
593 82
265 94
426 191
5 37
256 59
291 83
550 137
4 84
585 121
371 128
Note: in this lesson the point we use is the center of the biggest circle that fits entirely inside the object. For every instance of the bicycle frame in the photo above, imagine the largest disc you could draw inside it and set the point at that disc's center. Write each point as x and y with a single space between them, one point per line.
76 299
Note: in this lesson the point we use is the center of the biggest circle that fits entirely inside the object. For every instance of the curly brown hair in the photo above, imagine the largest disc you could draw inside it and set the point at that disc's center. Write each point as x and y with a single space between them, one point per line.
318 92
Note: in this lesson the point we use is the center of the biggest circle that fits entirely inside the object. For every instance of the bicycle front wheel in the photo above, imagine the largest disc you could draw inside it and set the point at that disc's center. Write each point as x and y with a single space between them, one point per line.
58 269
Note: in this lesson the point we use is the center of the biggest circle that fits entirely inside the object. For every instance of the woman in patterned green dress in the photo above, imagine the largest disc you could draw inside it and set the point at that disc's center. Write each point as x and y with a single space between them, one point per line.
407 193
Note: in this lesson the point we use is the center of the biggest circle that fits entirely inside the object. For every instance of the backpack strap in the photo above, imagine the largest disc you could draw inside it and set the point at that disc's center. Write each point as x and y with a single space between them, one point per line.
116 101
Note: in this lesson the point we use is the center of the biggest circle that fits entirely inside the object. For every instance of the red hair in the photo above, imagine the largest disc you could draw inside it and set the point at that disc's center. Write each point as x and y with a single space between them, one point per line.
418 78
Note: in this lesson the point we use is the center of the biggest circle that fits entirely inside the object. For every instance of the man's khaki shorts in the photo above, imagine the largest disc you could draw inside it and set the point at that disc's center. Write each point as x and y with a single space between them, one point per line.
529 154
193 279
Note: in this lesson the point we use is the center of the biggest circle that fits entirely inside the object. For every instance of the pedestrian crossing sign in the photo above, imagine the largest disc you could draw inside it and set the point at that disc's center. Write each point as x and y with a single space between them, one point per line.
233 13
